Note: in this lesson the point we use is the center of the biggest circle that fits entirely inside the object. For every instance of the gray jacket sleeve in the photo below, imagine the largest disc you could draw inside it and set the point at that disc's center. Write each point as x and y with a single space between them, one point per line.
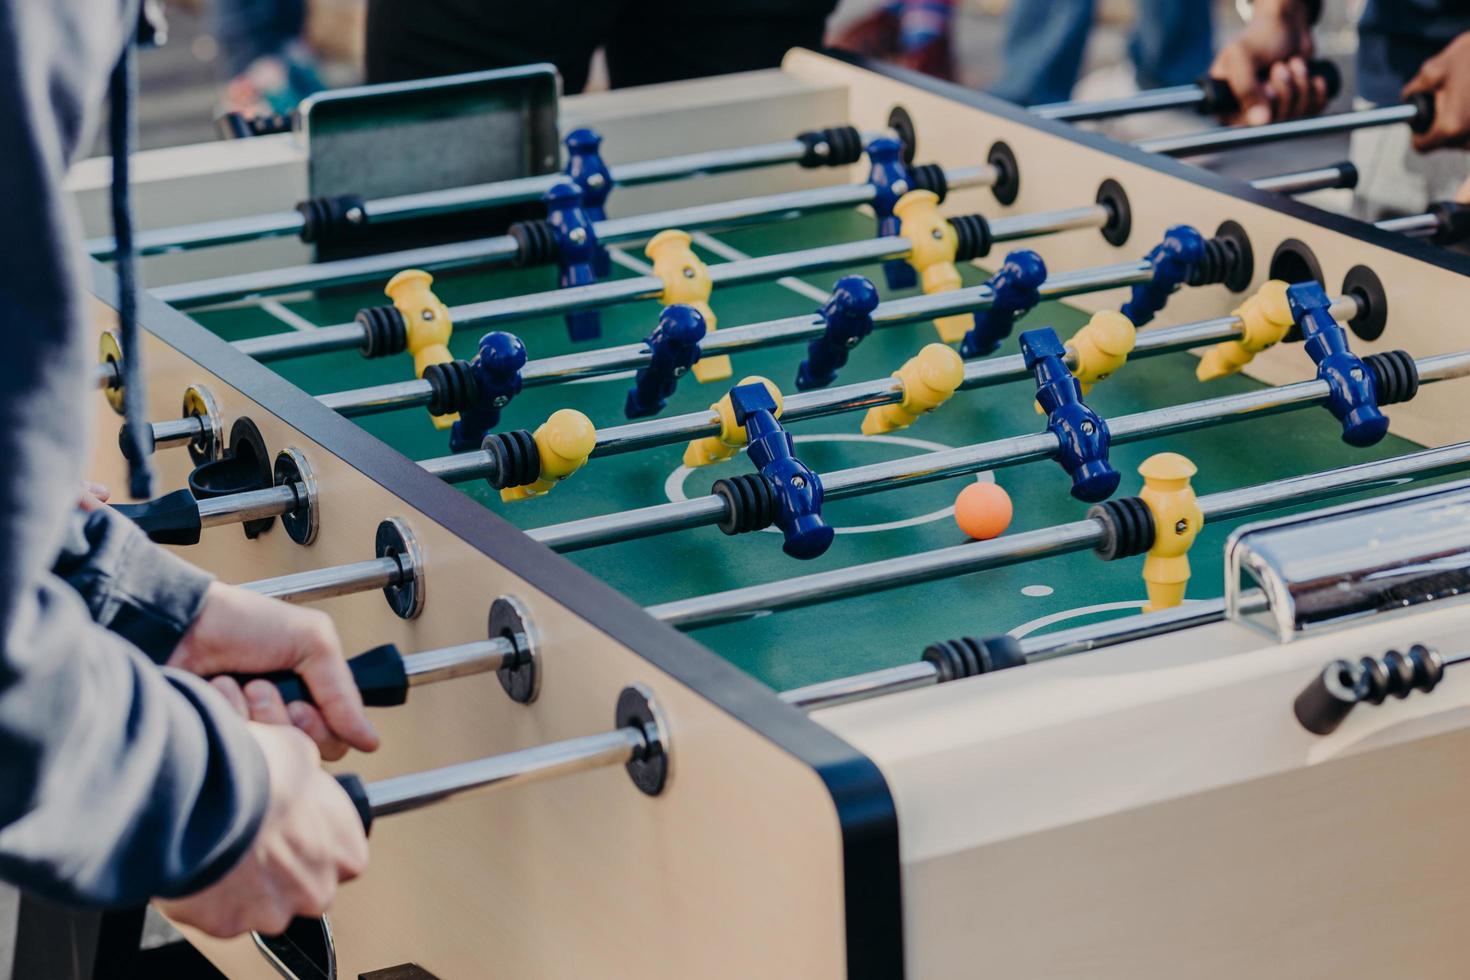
118 780
136 589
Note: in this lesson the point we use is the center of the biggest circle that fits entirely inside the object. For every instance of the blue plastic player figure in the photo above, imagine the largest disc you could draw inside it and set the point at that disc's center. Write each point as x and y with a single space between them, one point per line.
848 316
586 168
890 179
1017 285
798 489
674 346
1172 260
497 372
576 253
1352 399
1081 433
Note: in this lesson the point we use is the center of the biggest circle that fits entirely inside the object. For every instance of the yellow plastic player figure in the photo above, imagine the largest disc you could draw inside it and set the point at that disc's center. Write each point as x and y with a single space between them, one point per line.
1265 319
1102 347
1177 522
686 280
732 437
563 442
929 378
932 255
428 321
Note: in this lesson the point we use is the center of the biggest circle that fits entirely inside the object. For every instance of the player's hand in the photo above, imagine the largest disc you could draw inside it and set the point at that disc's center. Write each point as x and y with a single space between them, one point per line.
240 632
94 496
1447 76
310 841
1266 65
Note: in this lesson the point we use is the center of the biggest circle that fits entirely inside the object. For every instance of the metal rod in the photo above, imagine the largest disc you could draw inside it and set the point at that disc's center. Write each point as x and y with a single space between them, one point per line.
204 234
426 204
335 580
447 663
1339 175
737 604
1152 100
616 291
1413 225
1095 636
858 396
609 360
251 505
963 460
107 375
500 249
419 789
178 432
1235 137
861 687
349 336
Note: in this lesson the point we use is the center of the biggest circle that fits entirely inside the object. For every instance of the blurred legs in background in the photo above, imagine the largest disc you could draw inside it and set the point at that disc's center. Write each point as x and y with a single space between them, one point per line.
1172 44
268 67
917 34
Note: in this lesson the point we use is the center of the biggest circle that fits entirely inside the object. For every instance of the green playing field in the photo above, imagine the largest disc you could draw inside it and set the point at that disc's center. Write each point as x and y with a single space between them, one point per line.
835 639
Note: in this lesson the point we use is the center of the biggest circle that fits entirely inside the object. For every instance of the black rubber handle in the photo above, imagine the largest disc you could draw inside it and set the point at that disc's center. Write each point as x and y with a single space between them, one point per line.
1219 100
1326 702
357 792
171 519
379 675
1454 222
125 440
1423 103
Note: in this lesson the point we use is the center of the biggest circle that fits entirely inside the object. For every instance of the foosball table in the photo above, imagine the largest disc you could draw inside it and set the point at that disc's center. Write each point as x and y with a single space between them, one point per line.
759 713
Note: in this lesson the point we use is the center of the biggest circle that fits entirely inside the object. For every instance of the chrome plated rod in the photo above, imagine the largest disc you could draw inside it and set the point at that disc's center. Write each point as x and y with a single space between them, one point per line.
795 329
1339 175
204 234
858 396
334 580
805 590
1236 137
861 687
447 663
379 398
338 272
1151 100
178 432
1094 636
298 343
1413 225
500 249
610 360
107 375
427 204
251 505
349 336
419 789
964 460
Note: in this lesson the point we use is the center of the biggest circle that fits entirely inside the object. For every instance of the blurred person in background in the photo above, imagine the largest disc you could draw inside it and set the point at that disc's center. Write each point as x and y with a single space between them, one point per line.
1404 47
1044 46
916 34
646 41
1171 44
267 66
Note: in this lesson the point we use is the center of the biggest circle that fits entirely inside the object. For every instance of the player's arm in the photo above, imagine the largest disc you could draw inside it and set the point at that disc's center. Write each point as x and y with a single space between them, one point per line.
1266 64
177 614
1447 77
121 780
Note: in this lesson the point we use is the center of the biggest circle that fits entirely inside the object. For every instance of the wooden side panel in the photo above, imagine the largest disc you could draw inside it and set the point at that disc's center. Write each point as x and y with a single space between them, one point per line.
1155 810
735 871
1059 173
